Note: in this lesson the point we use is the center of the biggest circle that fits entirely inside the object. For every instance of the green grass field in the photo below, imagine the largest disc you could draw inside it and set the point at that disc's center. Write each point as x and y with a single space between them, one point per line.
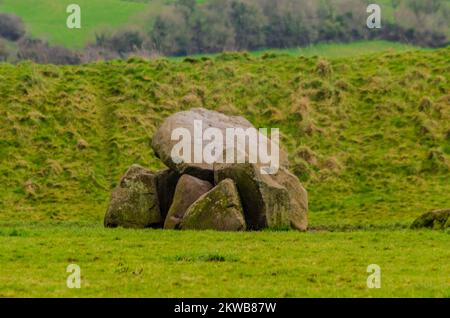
155 263
368 135
342 50
47 18
330 50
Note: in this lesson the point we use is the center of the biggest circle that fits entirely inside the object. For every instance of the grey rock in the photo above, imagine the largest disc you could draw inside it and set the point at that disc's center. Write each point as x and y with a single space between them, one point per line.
134 202
163 145
188 190
266 203
438 220
219 209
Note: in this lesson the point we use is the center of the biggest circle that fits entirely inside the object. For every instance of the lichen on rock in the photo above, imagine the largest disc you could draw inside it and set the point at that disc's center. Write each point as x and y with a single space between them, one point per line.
134 202
219 209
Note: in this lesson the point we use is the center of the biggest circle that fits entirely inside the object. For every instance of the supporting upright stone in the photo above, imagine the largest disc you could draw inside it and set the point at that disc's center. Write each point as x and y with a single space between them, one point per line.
188 190
134 202
219 209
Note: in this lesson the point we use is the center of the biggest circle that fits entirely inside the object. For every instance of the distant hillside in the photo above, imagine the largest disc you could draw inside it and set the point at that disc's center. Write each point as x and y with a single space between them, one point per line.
47 18
331 50
369 135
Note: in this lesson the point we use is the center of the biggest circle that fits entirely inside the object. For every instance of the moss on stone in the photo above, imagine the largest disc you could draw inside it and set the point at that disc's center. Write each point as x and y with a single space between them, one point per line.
220 209
134 203
437 220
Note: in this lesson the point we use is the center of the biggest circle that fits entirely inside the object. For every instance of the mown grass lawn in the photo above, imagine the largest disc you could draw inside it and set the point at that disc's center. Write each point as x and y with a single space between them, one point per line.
155 263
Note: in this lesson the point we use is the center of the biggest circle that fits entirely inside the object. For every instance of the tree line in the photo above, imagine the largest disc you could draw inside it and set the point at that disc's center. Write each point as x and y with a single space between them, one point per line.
16 45
186 27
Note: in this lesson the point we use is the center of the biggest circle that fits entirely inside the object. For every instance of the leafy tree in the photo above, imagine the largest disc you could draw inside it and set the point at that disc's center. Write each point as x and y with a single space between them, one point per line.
3 51
11 27
247 22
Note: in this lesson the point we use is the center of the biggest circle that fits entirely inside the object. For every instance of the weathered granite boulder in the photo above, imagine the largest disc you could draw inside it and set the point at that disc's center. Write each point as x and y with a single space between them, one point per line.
188 190
134 202
163 144
266 203
219 209
438 220
298 211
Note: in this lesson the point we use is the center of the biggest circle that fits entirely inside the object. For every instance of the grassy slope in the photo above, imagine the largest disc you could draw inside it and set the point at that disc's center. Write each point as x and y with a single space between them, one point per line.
354 128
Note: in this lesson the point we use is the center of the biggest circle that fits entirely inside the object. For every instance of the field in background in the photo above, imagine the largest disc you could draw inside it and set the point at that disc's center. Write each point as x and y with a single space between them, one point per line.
344 50
331 50
47 18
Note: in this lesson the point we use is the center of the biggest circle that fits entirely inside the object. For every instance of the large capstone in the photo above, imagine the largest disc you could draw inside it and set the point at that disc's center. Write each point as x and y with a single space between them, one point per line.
192 125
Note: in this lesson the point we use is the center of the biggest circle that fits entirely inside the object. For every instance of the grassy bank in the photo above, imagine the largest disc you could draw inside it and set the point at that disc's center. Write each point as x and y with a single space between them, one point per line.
367 135
154 263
